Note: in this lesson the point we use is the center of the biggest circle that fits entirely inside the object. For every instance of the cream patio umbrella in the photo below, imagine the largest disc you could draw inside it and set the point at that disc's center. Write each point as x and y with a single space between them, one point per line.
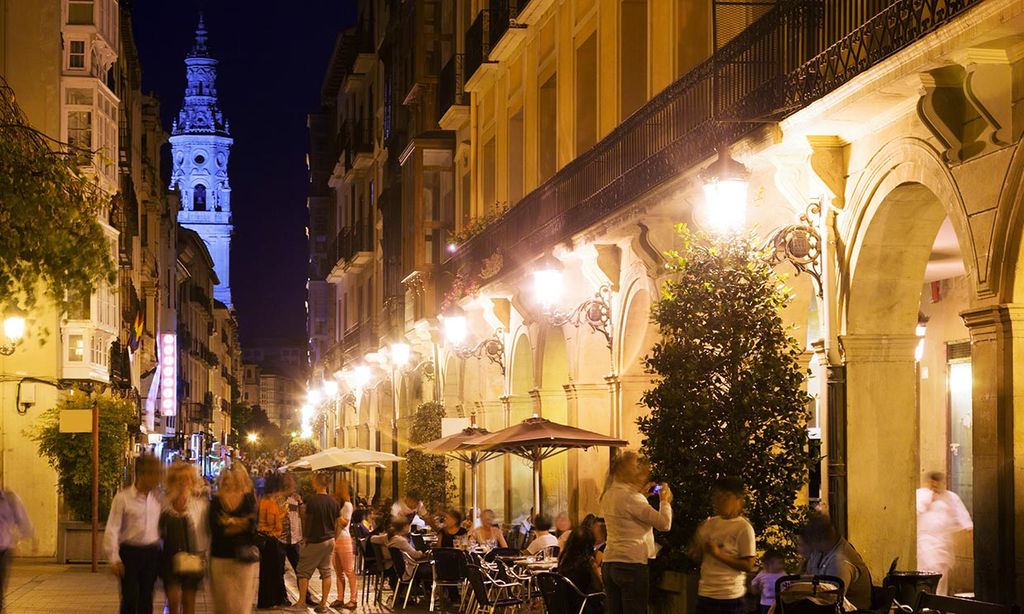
536 439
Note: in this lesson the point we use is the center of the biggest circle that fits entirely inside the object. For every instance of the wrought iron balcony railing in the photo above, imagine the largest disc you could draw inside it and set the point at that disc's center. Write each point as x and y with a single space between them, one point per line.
503 15
779 64
450 90
352 240
478 42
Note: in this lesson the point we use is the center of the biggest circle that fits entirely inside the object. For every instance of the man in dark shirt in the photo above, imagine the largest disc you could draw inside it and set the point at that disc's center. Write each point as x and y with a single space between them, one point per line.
322 511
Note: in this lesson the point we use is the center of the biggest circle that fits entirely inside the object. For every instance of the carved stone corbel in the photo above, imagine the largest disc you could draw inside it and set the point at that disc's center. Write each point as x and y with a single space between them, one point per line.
941 108
988 86
828 161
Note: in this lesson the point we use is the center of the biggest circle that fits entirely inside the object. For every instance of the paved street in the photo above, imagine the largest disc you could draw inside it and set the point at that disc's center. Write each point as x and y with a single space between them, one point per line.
37 588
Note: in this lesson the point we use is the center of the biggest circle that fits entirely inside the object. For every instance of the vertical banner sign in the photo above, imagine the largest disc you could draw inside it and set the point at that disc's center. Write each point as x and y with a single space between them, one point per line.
168 374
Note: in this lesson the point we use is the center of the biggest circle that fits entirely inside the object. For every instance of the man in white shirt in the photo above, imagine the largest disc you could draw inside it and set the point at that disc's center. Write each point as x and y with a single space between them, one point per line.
132 537
630 521
940 516
14 526
543 538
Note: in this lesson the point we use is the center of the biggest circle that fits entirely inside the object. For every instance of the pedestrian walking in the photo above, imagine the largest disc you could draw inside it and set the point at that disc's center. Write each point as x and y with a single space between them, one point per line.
940 516
15 526
132 537
322 511
234 556
630 521
726 547
185 538
293 527
270 528
344 552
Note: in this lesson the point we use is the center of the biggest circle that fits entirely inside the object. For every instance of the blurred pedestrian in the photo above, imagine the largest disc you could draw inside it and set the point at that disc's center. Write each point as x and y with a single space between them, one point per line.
940 516
344 551
726 547
132 537
630 520
322 511
184 534
15 526
270 535
293 527
234 556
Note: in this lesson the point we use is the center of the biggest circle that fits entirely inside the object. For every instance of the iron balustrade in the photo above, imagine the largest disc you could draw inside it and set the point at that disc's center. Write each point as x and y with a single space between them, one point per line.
450 87
780 63
503 14
478 42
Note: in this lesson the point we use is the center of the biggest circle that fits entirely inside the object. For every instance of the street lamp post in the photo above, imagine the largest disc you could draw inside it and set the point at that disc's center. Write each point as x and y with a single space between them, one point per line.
252 438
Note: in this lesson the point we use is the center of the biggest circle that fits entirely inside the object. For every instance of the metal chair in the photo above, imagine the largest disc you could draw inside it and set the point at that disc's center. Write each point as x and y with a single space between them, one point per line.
561 596
493 553
370 568
489 594
449 571
407 569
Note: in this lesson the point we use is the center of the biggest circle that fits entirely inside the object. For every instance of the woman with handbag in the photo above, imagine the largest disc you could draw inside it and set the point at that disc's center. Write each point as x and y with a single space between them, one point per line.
271 592
182 529
234 557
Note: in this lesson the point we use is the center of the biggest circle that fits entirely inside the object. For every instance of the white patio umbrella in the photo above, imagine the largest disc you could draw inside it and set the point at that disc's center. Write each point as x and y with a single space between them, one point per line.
333 458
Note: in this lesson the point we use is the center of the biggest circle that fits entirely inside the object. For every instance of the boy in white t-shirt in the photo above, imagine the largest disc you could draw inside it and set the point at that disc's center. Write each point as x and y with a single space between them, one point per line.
544 538
725 544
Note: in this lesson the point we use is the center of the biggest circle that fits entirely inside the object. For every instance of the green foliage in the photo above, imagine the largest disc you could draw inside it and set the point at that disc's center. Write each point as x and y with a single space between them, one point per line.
53 241
728 398
299 447
70 454
428 474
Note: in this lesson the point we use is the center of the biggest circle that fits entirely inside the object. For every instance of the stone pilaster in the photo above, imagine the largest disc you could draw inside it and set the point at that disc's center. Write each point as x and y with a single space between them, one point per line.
589 408
997 364
550 403
882 448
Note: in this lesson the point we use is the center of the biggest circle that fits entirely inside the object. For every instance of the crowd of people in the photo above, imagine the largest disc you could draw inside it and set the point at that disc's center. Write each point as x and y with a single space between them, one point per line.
239 537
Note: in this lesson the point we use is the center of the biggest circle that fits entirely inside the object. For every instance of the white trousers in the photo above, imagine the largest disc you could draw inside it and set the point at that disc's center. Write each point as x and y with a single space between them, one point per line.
233 584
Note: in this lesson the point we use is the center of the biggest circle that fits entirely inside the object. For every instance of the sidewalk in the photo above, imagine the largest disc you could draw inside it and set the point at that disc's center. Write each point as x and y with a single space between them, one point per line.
46 588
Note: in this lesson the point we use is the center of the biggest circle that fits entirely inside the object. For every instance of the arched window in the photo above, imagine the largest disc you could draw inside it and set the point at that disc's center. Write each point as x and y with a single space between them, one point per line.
199 198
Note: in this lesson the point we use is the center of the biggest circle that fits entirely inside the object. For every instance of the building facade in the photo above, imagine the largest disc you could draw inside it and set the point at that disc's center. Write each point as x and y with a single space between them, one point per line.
512 132
200 147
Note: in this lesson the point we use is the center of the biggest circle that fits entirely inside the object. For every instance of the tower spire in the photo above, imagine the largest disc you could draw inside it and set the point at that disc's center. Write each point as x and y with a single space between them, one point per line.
199 49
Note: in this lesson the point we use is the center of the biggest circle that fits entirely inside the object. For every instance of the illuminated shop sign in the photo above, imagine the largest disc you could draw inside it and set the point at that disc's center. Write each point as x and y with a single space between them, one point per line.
168 375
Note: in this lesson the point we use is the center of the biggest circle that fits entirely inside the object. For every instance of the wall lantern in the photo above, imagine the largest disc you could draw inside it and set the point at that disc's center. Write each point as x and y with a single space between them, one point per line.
456 332
549 286
726 183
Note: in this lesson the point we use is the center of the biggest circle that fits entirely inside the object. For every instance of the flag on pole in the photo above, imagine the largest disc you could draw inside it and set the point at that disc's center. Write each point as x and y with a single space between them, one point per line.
135 335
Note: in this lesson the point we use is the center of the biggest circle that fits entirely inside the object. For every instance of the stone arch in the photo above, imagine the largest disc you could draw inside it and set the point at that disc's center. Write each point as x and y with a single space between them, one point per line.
636 336
1006 252
898 208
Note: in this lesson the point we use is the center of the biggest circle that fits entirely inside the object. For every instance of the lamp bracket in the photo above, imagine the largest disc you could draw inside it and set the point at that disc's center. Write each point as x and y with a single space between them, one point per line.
596 312
492 348
800 245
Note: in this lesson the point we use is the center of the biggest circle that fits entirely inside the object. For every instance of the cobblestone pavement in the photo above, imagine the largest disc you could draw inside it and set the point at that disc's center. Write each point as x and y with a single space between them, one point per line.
41 588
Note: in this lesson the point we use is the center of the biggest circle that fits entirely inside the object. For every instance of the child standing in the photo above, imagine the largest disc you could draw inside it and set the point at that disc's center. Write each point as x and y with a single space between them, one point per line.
763 583
725 544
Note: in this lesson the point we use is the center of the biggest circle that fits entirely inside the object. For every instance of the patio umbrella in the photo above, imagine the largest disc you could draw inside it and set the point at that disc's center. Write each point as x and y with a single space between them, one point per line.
452 447
344 457
536 439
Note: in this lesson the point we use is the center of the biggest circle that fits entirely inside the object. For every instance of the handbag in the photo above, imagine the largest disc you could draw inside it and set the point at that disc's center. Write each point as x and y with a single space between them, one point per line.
247 554
186 562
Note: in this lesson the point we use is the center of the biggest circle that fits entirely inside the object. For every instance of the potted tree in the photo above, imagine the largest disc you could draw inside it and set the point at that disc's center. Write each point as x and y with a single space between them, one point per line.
434 482
70 454
728 398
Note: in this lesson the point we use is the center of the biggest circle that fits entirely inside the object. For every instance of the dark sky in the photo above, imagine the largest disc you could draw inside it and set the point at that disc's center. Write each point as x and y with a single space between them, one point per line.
273 54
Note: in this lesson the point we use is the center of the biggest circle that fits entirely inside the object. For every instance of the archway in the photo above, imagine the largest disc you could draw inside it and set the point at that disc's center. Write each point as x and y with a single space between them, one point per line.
903 343
550 403
637 338
518 496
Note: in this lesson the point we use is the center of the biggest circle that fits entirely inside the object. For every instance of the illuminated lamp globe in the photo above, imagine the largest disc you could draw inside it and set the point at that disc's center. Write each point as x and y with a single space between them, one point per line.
456 329
726 183
400 354
330 388
548 282
14 327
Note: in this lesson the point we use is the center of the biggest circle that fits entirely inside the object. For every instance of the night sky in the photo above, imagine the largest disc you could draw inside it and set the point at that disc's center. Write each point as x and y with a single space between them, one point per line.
273 54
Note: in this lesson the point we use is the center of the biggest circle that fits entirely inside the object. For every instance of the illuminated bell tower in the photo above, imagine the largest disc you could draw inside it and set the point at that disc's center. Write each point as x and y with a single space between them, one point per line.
200 145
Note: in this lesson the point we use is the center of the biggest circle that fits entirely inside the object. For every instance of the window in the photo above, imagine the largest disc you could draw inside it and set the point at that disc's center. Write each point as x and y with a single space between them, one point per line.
97 354
199 198
76 348
76 56
80 130
80 12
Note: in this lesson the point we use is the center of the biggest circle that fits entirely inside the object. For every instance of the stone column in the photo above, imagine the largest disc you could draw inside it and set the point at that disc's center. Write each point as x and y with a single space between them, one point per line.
882 448
588 408
997 365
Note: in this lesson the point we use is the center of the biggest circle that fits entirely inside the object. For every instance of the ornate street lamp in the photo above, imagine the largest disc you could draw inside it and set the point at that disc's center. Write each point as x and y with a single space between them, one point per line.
14 332
726 183
596 311
456 331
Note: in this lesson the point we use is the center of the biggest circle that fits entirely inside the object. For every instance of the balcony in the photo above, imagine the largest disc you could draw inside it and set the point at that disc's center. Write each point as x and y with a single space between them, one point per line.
452 99
780 64
352 249
505 31
479 68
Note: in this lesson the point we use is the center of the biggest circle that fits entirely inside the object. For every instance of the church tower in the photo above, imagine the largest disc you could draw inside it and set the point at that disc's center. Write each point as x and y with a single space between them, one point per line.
200 145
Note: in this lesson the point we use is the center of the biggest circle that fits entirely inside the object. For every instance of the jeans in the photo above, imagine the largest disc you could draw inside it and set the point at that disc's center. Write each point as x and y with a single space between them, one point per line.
626 587
141 565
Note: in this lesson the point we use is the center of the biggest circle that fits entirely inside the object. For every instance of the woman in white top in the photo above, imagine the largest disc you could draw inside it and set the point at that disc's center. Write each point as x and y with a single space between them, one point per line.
487 534
344 552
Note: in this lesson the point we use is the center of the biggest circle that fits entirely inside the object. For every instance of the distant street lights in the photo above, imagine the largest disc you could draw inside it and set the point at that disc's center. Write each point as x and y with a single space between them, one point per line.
253 439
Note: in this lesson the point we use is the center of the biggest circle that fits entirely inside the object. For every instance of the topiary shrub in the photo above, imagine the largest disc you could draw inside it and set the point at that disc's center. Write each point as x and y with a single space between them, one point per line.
429 477
729 396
